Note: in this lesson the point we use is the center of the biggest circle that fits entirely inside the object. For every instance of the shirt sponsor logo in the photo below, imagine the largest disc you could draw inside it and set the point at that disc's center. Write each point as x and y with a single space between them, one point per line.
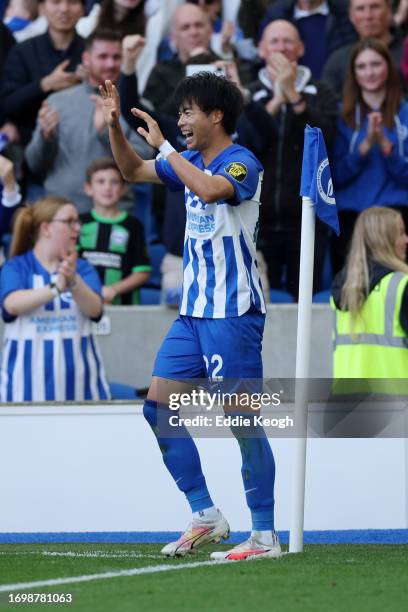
237 170
54 323
200 224
106 260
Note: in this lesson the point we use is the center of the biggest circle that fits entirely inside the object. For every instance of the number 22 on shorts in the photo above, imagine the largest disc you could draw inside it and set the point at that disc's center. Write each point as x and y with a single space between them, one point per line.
213 366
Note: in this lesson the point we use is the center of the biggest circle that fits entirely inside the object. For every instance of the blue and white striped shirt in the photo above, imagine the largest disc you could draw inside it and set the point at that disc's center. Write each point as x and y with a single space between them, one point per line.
50 353
220 276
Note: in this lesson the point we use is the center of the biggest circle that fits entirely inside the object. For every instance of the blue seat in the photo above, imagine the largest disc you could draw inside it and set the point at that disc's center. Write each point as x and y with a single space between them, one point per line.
279 296
149 296
322 297
156 253
5 242
143 210
172 297
327 273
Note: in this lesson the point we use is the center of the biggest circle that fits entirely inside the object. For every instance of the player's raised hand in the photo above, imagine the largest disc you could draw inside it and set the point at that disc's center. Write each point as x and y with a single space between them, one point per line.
153 135
110 103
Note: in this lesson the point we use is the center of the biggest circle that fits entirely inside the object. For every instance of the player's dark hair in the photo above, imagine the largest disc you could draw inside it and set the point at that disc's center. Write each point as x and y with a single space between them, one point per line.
102 34
102 163
211 92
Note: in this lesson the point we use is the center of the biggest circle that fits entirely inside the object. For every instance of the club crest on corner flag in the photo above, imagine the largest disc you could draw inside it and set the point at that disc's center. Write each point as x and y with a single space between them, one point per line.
316 182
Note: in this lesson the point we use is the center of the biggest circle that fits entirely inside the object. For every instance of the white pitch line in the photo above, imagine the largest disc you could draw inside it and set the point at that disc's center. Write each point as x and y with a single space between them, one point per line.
94 554
5 588
100 555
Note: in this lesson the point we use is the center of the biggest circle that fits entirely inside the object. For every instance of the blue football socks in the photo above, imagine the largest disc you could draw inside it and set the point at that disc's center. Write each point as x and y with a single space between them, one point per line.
180 456
258 476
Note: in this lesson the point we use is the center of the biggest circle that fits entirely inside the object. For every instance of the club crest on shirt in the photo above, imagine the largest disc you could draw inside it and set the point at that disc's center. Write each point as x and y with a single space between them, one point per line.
237 170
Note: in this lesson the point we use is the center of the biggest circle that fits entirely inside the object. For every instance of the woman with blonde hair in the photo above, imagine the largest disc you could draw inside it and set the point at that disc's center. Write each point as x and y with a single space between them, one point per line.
370 157
49 298
370 300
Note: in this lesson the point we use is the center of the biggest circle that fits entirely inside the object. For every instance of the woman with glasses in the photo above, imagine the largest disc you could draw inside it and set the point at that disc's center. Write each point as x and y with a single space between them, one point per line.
49 299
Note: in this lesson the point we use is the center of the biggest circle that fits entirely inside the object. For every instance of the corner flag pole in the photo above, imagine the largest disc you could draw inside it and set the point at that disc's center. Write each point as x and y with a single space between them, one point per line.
302 374
318 199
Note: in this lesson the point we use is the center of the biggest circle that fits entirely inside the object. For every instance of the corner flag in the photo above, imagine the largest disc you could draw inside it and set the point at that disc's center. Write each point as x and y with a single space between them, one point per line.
316 181
318 199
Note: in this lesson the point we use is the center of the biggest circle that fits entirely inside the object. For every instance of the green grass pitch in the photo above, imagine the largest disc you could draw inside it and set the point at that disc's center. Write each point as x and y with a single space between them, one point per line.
324 578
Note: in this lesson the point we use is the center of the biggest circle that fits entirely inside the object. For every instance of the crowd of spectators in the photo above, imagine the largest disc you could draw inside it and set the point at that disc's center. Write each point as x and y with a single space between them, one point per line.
341 65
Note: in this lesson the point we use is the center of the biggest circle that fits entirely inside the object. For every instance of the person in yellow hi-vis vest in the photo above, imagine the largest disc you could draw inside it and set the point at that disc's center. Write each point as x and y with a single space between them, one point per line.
370 300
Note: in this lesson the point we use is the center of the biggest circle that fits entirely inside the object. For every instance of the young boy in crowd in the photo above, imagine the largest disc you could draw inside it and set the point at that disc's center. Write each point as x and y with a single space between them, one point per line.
113 240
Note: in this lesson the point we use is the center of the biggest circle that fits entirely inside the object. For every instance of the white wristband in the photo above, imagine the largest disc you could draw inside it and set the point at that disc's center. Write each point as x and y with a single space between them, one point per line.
166 148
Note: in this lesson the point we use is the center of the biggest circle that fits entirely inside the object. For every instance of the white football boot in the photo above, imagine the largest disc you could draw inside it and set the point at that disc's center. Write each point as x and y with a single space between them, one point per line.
198 533
251 549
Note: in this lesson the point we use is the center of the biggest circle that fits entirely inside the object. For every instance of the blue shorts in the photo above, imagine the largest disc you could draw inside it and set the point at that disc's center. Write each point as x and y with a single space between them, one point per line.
212 348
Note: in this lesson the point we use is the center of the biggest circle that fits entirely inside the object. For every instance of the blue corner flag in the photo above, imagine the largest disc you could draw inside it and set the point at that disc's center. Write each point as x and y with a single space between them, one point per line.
316 182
